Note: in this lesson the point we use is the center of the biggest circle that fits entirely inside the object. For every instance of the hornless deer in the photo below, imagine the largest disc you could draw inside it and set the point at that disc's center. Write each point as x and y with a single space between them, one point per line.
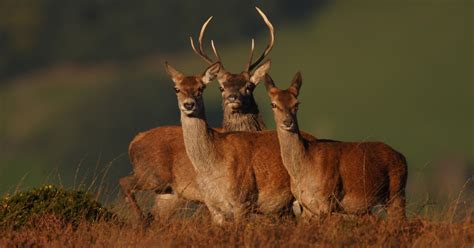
158 156
326 175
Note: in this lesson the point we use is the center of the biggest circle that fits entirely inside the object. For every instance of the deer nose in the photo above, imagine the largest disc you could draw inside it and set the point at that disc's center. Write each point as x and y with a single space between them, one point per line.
188 105
232 98
288 123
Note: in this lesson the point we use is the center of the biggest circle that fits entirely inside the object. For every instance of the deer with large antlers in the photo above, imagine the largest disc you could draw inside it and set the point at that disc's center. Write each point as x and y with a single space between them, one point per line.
158 156
330 175
237 89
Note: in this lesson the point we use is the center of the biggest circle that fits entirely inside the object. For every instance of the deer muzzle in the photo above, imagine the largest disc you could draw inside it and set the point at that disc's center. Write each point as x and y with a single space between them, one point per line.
288 124
188 106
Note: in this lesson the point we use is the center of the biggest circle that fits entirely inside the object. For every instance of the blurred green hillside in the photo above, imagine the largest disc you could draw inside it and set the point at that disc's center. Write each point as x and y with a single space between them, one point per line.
400 73
35 33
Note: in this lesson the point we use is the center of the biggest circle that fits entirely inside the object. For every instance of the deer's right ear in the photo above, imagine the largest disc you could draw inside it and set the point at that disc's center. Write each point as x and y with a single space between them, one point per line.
260 72
269 84
296 84
211 72
175 75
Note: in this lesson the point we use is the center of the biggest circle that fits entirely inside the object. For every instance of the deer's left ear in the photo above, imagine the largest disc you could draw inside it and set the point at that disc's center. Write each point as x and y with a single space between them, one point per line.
296 84
269 84
174 74
260 72
211 72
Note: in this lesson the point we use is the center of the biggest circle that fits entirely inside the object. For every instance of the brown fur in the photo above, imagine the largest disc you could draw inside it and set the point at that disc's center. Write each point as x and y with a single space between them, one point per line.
158 155
237 97
328 174
240 86
236 171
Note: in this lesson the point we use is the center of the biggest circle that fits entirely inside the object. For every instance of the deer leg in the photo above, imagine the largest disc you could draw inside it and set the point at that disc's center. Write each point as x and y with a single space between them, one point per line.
129 186
217 215
297 209
314 209
167 204
355 205
396 197
396 206
240 213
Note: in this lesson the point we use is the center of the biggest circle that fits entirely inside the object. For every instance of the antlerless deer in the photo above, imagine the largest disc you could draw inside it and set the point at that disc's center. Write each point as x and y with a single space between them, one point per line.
327 175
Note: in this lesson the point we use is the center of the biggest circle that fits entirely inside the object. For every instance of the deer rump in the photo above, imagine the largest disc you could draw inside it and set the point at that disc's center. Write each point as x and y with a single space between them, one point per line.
352 176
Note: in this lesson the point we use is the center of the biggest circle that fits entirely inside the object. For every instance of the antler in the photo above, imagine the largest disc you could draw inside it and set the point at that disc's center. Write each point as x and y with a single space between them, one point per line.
215 51
250 66
200 52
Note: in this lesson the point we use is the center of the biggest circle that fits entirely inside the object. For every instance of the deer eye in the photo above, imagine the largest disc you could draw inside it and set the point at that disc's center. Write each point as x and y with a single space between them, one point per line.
295 108
221 88
199 91
250 87
273 105
176 90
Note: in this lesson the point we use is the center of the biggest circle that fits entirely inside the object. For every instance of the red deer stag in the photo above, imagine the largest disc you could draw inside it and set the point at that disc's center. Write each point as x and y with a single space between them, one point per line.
237 89
158 156
326 175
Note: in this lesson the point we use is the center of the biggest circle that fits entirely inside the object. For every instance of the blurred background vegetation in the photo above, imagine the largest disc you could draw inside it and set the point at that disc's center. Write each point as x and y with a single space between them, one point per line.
78 79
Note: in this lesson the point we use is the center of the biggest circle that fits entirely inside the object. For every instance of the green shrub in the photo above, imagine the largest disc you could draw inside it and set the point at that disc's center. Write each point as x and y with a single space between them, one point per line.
69 206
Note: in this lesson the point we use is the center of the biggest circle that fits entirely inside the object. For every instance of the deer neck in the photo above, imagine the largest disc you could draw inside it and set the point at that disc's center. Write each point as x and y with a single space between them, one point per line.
248 119
198 141
293 152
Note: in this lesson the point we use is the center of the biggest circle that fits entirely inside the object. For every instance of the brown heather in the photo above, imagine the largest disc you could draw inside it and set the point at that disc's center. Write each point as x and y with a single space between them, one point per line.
257 231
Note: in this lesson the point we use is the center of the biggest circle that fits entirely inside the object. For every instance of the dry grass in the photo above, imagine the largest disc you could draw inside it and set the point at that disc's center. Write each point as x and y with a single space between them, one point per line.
257 231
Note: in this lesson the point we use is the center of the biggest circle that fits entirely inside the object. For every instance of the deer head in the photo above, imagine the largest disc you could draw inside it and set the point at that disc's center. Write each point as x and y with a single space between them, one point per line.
237 89
189 89
285 102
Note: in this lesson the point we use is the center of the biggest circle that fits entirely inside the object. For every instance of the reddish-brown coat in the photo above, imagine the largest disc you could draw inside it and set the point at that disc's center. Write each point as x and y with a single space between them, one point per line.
158 156
330 175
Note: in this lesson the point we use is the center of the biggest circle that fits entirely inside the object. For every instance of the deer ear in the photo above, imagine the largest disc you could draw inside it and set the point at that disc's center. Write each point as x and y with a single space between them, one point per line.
269 84
175 75
260 72
211 72
296 84
222 76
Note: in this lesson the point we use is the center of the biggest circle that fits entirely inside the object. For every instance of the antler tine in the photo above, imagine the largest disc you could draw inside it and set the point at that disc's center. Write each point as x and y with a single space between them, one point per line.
205 58
200 52
272 39
201 34
216 53
247 67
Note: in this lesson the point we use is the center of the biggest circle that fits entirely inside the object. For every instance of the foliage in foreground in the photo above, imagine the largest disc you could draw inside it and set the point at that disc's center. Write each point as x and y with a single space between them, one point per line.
67 206
54 217
257 231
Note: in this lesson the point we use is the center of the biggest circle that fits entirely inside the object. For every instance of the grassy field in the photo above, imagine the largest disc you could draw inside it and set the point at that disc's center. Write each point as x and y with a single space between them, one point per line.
48 224
255 232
